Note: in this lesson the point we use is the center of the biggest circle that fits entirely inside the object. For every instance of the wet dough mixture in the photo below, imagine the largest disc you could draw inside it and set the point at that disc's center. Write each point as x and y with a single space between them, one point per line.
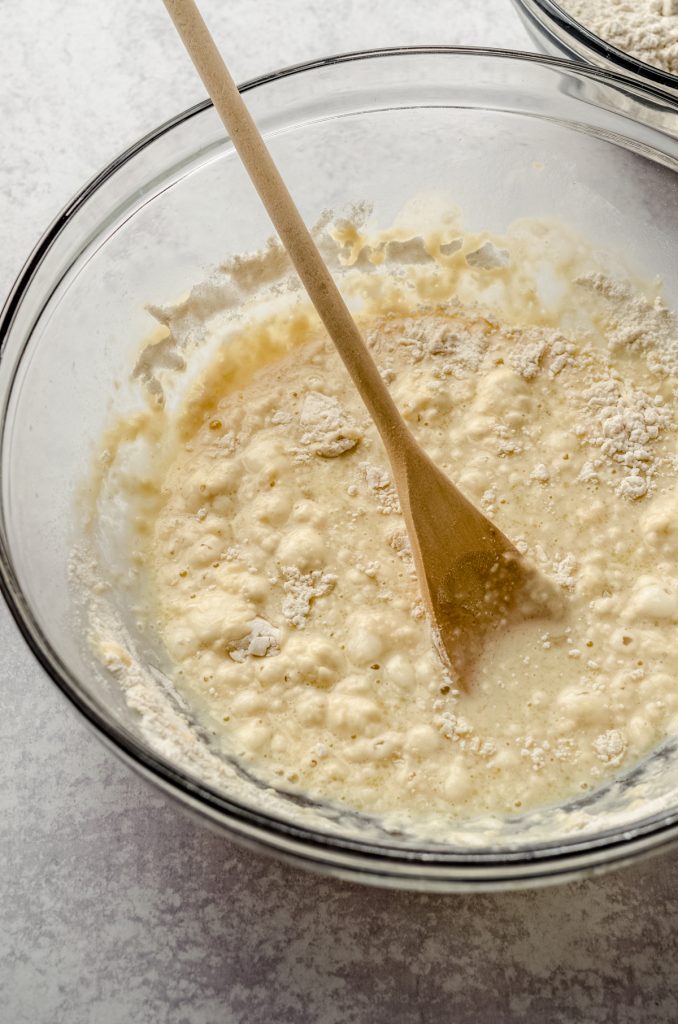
282 584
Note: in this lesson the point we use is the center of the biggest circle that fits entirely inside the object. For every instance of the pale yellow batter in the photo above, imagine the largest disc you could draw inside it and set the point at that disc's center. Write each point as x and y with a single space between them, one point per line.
281 582
246 547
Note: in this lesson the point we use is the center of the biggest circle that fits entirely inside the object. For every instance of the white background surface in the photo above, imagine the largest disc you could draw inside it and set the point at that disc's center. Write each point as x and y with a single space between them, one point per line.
114 907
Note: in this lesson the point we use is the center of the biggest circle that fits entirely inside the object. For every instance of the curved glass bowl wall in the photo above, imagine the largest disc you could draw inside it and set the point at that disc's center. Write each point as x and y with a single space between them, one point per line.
502 136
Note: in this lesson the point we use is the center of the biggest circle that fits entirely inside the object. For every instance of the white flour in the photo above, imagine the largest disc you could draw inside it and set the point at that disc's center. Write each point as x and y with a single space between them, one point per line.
627 422
262 641
380 488
328 430
300 590
636 324
647 29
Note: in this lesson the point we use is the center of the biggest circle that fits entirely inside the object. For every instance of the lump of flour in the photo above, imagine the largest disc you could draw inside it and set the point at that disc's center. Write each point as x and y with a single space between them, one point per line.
626 423
301 589
488 257
329 430
635 323
262 641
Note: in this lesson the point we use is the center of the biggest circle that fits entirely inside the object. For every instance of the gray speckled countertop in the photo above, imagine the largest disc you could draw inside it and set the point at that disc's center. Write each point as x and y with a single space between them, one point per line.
116 908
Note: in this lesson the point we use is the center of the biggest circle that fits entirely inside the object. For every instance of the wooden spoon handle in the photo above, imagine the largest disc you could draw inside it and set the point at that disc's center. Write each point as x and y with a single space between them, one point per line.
288 222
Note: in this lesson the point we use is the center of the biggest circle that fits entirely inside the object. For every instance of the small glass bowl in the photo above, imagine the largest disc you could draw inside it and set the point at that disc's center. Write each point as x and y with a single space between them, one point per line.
502 135
556 32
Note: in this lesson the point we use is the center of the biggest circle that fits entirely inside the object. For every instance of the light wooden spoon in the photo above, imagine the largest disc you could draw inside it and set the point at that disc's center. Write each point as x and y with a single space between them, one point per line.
471 575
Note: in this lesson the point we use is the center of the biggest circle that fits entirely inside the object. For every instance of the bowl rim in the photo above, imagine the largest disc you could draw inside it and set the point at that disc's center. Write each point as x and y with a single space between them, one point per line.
433 866
650 73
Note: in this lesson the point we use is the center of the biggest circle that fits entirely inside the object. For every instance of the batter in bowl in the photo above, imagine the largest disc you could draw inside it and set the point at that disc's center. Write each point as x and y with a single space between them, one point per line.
278 572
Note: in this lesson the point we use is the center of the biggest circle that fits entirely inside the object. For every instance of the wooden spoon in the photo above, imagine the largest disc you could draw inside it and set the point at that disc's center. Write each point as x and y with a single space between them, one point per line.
470 574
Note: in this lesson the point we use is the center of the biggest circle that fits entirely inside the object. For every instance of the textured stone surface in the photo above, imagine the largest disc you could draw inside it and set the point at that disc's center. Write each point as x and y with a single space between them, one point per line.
114 907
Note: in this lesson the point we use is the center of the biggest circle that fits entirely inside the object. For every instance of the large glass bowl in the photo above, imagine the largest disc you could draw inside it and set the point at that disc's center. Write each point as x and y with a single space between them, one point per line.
503 135
556 32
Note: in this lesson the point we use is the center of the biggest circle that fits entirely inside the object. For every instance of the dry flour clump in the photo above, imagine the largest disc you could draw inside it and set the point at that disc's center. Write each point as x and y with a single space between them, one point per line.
381 488
458 342
301 589
647 29
262 641
610 746
328 429
564 570
626 421
636 324
533 349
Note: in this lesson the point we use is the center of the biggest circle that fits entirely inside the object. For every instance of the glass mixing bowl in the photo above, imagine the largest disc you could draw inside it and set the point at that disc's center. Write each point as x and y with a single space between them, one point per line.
503 135
556 32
